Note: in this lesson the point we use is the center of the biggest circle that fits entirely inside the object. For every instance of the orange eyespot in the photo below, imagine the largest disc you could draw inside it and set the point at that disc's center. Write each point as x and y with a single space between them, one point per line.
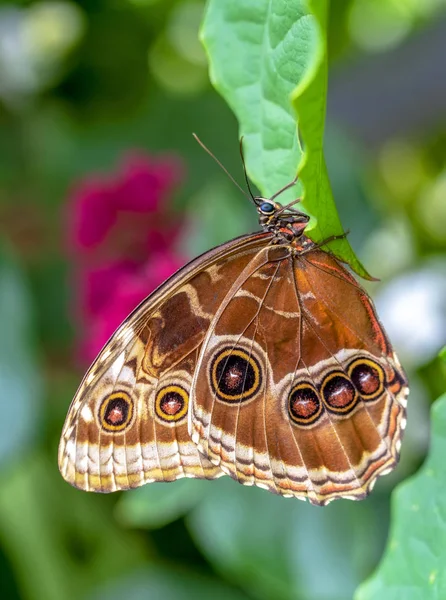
235 375
116 412
367 377
304 404
338 392
171 403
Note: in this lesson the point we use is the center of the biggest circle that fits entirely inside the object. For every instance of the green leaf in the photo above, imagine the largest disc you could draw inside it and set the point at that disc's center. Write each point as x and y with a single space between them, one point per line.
268 59
20 381
309 99
413 565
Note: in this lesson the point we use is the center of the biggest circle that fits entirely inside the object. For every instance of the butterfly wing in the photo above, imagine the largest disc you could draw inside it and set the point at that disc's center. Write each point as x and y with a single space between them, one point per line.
127 424
297 389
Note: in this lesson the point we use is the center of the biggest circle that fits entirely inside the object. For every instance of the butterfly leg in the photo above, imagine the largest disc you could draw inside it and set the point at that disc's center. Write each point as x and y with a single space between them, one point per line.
286 187
332 238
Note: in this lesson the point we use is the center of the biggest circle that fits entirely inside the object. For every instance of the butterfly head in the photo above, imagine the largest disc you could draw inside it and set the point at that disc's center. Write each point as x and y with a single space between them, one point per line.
285 221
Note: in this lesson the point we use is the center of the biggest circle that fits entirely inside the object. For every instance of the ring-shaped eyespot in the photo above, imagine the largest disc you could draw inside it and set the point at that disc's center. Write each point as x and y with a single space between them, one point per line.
171 403
338 392
116 412
304 404
367 377
235 375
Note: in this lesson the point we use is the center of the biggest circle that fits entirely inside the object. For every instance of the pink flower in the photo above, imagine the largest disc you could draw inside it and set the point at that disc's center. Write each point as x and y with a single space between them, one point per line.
93 213
133 286
122 240
99 207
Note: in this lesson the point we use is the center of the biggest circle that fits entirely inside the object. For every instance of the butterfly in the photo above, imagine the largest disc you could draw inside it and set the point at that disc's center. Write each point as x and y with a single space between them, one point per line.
262 359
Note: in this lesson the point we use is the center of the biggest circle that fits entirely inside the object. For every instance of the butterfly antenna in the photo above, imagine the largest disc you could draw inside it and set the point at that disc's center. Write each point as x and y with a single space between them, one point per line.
220 165
289 206
244 170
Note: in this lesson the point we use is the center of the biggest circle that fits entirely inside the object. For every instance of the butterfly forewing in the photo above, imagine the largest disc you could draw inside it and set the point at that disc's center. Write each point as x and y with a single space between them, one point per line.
127 424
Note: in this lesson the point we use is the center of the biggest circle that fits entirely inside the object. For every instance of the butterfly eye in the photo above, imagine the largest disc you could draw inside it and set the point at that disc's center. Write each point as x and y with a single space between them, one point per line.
267 208
368 378
171 403
115 412
339 393
304 405
235 375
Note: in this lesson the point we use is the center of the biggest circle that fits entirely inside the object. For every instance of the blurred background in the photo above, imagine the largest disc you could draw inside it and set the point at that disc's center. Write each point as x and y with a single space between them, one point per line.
103 193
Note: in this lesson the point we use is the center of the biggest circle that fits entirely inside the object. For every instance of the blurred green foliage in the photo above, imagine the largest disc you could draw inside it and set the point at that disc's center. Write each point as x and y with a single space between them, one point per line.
79 84
414 561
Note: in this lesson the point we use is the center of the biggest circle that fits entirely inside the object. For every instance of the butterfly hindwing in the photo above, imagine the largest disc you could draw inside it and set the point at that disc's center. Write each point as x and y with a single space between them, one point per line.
297 389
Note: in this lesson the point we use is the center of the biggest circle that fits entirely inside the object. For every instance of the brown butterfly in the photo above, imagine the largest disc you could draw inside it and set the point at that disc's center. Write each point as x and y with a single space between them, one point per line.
262 359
